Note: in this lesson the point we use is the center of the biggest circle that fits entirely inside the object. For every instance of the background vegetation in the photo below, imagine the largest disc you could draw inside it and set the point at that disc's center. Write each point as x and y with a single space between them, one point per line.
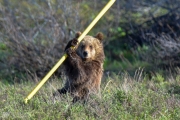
142 47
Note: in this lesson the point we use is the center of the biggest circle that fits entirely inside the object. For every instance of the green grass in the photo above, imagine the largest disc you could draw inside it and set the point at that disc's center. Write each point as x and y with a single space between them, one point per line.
122 98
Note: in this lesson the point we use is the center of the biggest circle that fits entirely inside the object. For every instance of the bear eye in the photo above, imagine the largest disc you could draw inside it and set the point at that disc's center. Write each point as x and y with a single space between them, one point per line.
91 46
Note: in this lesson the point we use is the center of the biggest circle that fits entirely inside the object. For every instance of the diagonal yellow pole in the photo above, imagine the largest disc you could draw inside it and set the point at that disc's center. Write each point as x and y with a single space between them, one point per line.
102 12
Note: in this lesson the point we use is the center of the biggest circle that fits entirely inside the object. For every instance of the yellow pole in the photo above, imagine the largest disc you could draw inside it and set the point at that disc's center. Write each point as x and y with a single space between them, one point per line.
102 12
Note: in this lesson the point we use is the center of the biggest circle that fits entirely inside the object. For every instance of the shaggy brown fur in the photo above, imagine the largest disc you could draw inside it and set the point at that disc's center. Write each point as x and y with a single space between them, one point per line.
84 67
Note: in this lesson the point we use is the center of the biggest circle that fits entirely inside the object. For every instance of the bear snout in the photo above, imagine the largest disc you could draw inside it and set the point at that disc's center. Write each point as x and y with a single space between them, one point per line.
85 54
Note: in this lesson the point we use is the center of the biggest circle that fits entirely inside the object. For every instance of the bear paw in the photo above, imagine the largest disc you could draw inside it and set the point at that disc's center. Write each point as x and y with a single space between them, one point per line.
74 42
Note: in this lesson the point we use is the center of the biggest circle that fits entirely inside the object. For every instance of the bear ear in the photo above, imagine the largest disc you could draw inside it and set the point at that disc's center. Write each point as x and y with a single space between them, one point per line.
99 36
78 34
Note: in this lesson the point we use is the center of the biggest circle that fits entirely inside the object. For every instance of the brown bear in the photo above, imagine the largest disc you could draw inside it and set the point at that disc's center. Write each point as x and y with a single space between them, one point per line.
84 67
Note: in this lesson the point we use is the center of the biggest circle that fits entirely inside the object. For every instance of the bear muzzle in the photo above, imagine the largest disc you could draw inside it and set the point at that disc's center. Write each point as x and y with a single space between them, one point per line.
85 54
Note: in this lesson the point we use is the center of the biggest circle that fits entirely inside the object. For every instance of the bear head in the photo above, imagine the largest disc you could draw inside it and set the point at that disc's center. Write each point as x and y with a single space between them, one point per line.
90 47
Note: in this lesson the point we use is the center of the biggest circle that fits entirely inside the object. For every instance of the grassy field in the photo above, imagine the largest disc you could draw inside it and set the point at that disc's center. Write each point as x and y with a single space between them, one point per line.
122 98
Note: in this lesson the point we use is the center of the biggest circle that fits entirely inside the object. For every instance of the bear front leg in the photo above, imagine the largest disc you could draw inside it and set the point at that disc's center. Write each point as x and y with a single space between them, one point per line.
71 53
63 90
60 91
73 58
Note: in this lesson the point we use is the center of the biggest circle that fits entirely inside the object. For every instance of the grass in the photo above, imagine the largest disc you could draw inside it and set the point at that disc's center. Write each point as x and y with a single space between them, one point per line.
122 98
